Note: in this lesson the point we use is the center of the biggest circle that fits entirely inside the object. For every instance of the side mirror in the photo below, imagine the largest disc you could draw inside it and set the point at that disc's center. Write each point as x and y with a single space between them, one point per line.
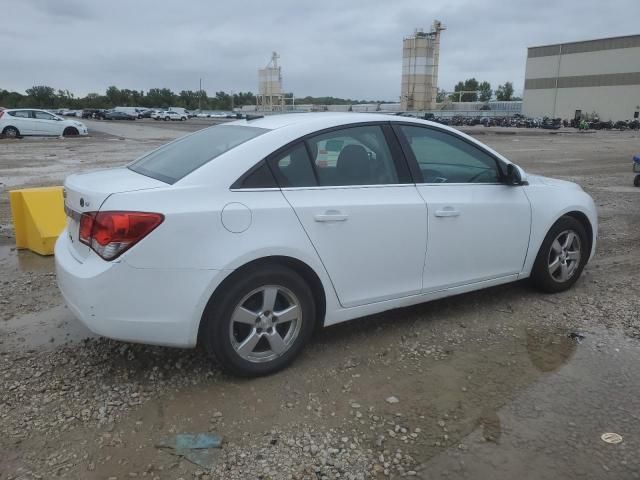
514 177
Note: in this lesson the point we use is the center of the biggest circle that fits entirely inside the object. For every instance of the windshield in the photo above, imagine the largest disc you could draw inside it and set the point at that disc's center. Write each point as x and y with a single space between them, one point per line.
177 159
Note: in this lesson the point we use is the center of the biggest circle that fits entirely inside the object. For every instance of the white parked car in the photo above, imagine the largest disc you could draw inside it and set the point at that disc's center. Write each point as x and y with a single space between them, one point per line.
17 122
243 237
168 115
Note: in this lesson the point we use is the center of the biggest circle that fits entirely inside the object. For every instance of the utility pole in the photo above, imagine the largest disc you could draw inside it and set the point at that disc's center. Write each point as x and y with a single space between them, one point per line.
200 97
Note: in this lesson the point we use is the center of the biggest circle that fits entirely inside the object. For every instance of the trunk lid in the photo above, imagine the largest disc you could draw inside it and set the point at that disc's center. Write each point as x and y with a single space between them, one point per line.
86 192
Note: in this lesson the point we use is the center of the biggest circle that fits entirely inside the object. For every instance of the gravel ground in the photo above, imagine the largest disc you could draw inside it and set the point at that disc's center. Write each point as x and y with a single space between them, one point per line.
485 385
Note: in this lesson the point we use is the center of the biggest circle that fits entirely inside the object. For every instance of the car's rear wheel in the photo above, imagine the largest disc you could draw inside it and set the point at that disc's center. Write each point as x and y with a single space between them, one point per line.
166 118
562 256
70 132
636 181
11 132
260 322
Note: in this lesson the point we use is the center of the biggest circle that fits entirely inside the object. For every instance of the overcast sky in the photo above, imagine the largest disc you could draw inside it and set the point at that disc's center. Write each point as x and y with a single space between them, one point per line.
342 48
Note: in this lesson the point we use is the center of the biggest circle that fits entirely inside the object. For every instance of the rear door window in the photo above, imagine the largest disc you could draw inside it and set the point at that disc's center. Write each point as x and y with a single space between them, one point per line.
177 159
353 156
21 114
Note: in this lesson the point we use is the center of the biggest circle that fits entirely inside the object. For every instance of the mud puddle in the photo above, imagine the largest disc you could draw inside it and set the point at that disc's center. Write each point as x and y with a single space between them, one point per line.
24 260
41 330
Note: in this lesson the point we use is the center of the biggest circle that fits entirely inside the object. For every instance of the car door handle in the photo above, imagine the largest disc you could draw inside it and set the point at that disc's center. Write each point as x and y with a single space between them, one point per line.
447 212
331 216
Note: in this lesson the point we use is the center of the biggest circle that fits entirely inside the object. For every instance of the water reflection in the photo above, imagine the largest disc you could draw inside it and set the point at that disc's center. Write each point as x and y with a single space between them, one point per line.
24 260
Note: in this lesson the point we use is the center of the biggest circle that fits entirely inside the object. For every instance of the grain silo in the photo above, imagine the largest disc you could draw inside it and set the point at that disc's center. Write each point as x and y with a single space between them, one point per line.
420 55
270 95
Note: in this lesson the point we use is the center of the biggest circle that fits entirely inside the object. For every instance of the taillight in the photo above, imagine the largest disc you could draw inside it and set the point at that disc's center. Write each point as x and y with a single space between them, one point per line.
1 113
110 234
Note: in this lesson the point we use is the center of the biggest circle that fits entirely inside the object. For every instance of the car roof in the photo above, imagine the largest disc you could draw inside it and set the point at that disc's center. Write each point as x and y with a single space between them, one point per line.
272 122
304 123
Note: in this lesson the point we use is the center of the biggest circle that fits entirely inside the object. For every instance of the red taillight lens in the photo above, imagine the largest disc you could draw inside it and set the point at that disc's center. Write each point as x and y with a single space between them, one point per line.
110 234
1 113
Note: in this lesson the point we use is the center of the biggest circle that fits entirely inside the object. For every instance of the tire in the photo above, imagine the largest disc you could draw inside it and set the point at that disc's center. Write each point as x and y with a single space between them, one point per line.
236 317
166 118
636 181
559 265
70 132
11 132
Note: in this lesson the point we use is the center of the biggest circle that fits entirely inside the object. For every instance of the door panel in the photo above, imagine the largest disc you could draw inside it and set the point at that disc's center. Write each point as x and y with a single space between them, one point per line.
22 121
371 240
476 232
46 124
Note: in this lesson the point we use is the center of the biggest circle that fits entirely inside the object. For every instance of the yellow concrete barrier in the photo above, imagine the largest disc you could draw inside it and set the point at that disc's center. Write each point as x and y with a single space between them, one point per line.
38 217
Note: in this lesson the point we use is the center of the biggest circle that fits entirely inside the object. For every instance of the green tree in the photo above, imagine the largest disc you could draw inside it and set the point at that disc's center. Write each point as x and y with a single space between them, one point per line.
469 85
188 99
485 91
41 96
161 97
504 92
113 96
222 101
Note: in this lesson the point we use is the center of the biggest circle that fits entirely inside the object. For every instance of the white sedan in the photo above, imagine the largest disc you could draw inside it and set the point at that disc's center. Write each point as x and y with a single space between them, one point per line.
17 122
244 236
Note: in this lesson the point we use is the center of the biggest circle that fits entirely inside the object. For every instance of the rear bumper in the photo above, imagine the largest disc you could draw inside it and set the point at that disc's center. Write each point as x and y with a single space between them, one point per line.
115 300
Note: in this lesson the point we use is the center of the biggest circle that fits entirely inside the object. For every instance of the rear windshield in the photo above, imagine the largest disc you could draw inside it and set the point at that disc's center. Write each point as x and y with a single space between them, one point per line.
177 159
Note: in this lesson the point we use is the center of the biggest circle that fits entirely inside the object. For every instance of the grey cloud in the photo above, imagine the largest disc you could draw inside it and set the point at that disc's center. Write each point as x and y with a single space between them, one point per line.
335 47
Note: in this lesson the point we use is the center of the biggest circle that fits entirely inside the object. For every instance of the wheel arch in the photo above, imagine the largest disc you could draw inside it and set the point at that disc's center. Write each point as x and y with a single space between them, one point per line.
11 126
584 221
301 268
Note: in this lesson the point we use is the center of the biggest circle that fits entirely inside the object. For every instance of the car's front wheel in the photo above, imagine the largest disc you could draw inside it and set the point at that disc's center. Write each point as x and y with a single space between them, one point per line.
260 322
70 132
562 256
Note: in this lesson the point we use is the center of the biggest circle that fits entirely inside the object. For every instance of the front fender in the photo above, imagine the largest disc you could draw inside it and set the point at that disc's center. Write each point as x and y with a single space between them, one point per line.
548 204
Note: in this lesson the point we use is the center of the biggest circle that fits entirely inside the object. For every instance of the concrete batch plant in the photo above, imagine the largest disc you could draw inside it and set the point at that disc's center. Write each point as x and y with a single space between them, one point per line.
270 95
578 79
420 56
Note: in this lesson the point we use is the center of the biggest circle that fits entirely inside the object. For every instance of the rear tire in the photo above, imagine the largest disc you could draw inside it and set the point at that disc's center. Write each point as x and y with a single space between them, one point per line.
636 181
562 256
166 118
11 132
260 322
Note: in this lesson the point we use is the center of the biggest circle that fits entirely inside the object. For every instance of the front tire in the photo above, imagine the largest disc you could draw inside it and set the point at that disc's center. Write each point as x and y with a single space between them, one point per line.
70 132
562 256
636 181
260 322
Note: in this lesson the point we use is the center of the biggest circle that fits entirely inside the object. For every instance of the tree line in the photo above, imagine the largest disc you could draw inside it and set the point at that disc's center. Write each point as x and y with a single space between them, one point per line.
42 96
471 90
47 97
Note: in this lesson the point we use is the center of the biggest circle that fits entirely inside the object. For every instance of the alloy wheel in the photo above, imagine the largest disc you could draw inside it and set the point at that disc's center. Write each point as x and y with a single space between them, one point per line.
564 256
265 324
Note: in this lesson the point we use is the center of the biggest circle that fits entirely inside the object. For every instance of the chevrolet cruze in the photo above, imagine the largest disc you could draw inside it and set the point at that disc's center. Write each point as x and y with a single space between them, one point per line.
245 236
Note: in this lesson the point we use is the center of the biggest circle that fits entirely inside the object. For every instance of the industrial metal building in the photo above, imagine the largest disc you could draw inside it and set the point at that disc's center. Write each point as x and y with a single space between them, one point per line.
582 78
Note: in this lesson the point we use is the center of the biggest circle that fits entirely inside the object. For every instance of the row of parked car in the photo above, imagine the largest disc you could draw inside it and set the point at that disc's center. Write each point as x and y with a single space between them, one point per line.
131 113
